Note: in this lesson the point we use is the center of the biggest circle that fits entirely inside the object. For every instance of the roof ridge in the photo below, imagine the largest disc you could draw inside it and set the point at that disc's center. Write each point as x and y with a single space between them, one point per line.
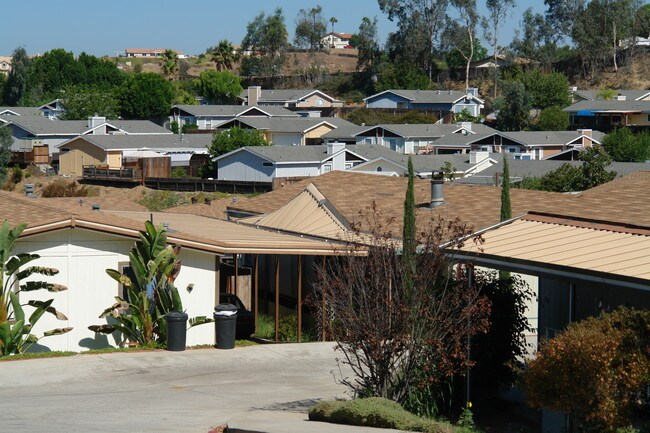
588 223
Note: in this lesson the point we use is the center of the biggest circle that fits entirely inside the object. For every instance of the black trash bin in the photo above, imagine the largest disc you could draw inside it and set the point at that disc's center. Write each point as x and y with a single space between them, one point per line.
176 330
225 325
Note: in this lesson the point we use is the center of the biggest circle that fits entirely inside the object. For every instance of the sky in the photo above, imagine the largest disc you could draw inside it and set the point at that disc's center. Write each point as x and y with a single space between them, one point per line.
107 28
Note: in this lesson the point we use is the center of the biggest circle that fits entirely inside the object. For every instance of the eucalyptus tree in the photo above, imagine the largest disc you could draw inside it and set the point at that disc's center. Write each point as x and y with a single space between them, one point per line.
310 28
497 13
460 33
267 40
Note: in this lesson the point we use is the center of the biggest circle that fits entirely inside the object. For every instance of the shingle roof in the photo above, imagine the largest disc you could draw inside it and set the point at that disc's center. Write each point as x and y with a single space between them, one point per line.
279 154
300 124
610 106
630 94
426 96
232 110
39 125
158 142
478 206
21 111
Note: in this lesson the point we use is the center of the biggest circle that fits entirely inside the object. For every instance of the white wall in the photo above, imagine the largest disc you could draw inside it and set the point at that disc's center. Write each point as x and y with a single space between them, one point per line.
82 257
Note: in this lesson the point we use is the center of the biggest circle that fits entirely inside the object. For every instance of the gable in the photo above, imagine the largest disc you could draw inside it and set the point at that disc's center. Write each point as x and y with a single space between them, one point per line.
253 111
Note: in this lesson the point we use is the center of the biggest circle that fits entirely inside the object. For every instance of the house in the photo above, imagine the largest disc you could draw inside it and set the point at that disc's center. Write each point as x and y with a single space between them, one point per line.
481 68
442 101
535 144
620 95
289 98
53 109
18 111
290 131
112 150
412 138
5 65
336 40
150 52
35 137
209 117
605 115
522 169
83 243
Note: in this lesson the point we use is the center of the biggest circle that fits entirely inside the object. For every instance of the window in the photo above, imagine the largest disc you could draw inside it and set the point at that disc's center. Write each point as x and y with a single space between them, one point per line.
124 268
392 143
379 168
367 140
267 164
538 153
327 168
402 104
348 165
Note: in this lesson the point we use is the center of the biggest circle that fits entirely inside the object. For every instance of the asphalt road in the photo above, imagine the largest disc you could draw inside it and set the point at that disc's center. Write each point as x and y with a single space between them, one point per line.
259 388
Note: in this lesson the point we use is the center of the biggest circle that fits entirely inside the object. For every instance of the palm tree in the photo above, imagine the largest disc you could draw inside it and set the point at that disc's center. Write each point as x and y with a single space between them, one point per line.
224 55
169 64
333 21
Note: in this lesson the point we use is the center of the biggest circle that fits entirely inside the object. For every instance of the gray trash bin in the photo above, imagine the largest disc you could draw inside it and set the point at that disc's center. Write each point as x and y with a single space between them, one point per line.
176 330
225 325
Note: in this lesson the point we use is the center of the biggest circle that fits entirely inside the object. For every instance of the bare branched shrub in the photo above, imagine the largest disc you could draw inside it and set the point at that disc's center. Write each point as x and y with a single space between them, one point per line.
393 335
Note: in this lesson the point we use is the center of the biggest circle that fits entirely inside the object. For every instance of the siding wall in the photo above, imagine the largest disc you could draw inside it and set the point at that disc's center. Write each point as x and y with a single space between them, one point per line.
82 257
387 100
244 166
297 170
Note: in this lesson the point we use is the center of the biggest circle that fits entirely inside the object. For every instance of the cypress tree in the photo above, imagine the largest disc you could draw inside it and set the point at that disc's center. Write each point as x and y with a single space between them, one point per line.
408 236
506 209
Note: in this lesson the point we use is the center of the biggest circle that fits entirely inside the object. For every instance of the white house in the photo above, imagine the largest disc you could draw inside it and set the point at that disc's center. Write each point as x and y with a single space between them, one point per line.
336 40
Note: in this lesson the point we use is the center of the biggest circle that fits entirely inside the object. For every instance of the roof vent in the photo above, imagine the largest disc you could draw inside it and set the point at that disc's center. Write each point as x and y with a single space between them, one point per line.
437 193
95 207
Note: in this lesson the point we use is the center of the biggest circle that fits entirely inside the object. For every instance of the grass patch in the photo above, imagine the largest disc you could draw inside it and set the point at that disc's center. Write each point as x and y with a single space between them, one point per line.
376 412
287 329
158 200
265 327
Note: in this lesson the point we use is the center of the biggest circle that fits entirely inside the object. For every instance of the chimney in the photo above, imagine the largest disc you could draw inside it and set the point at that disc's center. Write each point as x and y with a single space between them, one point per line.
586 142
96 120
254 94
437 194
478 156
333 148
466 125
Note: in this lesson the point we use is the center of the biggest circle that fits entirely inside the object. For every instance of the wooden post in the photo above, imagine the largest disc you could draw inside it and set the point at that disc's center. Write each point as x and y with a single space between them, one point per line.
277 296
236 261
257 266
299 299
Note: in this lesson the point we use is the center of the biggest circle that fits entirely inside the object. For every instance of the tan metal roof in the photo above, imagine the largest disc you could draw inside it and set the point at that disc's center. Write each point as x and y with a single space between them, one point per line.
232 237
308 213
581 246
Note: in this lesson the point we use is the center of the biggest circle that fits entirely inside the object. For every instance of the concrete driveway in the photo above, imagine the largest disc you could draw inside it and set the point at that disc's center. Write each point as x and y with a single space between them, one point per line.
259 388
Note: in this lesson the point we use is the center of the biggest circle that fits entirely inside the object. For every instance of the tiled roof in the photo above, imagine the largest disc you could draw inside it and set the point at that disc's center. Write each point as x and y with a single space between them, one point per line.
351 193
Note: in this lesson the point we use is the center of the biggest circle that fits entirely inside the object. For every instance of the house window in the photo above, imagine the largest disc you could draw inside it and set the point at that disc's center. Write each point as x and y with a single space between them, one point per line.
348 165
64 150
367 141
327 168
402 104
538 153
392 143
267 164
379 168
125 269
511 149
483 148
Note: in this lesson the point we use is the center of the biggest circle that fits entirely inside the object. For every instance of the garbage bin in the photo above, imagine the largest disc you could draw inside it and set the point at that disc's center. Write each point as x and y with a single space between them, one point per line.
176 330
225 325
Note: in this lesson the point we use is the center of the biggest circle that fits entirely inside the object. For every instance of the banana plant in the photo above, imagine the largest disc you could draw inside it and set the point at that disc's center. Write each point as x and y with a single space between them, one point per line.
15 328
151 293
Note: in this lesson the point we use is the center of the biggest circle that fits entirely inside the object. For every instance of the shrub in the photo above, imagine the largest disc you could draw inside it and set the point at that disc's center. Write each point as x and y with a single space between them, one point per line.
374 412
189 127
595 370
63 188
179 172
265 327
16 174
159 200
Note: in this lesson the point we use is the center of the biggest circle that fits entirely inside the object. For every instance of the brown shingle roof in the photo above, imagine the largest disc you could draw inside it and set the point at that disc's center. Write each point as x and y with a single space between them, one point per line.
350 193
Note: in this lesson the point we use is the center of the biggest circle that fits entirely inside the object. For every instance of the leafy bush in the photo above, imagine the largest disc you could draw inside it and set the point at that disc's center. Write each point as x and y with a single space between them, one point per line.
189 127
374 412
596 370
265 327
179 172
159 200
63 188
16 174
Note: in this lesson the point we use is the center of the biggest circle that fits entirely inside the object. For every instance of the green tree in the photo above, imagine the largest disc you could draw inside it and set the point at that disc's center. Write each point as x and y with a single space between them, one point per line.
547 90
398 76
606 94
234 138
145 96
506 207
561 14
310 29
5 151
15 327
223 55
151 294
624 145
514 107
82 101
594 168
365 40
266 37
409 243
497 13
606 362
419 23
642 21
536 41
169 64
219 87
455 60
552 119
16 85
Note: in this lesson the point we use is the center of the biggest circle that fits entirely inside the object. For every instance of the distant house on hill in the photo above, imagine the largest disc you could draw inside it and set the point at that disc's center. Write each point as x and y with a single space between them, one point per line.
150 52
209 117
336 40
289 98
5 65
